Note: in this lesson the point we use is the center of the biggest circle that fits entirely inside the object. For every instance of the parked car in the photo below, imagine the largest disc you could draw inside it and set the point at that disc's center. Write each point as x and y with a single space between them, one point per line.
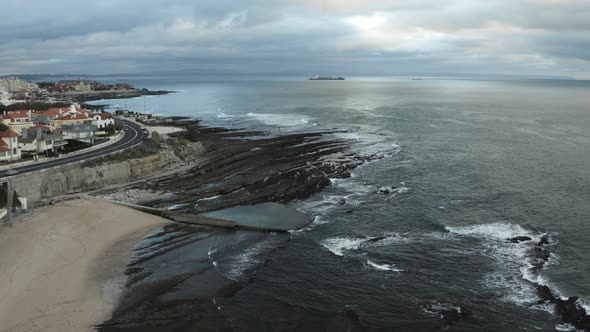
11 172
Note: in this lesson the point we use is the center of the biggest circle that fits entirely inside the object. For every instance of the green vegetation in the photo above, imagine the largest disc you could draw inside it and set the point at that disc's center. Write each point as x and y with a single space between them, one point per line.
38 106
3 127
111 129
148 147
75 145
94 107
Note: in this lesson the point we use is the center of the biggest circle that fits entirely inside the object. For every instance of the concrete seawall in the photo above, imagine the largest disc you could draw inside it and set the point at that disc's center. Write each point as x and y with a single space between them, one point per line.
74 178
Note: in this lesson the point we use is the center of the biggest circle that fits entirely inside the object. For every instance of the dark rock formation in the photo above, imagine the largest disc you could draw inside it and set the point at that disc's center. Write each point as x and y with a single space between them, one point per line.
540 253
518 239
543 241
570 310
376 238
386 190
347 320
246 171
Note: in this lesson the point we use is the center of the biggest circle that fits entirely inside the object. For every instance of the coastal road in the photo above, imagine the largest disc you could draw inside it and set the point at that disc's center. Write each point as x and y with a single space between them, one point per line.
133 136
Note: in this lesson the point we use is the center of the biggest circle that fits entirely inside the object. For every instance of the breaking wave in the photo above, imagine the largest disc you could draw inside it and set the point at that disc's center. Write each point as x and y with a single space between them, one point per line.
282 120
339 245
512 277
383 267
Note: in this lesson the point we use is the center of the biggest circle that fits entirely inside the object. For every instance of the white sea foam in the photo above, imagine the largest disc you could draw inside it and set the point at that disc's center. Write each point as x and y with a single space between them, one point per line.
242 262
547 307
371 144
319 220
177 206
392 238
493 231
436 308
565 327
282 120
513 275
384 267
353 186
339 245
222 115
208 198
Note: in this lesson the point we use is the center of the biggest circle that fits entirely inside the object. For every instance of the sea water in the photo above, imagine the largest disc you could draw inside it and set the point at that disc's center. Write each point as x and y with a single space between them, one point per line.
470 163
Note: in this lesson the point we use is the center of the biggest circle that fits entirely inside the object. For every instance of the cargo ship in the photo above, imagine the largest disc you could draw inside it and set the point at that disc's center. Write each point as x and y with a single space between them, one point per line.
326 78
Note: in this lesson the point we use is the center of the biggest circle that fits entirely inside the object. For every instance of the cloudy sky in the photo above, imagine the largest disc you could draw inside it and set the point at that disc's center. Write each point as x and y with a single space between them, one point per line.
348 37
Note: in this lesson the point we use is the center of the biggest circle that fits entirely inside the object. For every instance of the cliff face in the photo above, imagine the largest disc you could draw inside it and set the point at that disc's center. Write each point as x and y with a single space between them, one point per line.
75 178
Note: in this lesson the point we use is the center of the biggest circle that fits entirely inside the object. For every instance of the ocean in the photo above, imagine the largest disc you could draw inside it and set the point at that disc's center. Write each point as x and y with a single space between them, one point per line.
467 164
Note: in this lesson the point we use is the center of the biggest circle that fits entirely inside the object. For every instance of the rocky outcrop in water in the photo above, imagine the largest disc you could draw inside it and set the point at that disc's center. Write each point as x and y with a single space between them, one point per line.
569 310
518 239
238 169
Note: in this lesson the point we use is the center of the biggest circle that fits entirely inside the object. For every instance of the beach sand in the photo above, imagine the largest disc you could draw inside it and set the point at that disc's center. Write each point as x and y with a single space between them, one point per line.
62 269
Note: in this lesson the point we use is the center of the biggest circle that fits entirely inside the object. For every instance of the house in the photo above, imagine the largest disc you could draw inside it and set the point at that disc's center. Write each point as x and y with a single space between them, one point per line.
66 119
17 120
9 145
103 120
46 117
40 139
72 115
79 131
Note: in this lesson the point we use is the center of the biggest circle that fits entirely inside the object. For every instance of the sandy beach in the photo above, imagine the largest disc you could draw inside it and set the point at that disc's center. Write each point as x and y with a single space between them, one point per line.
62 269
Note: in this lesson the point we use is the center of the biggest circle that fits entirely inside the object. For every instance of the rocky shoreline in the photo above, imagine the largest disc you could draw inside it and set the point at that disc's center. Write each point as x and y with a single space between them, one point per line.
245 168
83 97
237 167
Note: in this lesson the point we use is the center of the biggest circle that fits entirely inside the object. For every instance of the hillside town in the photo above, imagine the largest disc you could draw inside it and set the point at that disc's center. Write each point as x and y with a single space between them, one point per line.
13 90
46 133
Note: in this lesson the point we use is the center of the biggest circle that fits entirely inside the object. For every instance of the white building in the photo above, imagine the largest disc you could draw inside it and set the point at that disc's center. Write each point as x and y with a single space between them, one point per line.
102 120
40 139
9 145
12 84
4 94
79 131
17 120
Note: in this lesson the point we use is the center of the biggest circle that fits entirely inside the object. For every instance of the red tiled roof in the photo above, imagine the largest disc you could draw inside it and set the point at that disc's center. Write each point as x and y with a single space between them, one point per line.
8 133
3 146
77 116
7 117
57 111
19 114
12 117
105 115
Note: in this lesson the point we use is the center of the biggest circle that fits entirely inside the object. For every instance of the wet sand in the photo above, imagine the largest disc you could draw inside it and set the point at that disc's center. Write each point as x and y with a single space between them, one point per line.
63 269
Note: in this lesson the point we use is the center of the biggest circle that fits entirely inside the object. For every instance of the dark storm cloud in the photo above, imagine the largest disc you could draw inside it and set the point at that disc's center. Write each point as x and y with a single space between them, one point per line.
546 37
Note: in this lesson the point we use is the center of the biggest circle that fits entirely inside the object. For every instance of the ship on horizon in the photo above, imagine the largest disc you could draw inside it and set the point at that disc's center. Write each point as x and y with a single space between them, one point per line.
326 78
